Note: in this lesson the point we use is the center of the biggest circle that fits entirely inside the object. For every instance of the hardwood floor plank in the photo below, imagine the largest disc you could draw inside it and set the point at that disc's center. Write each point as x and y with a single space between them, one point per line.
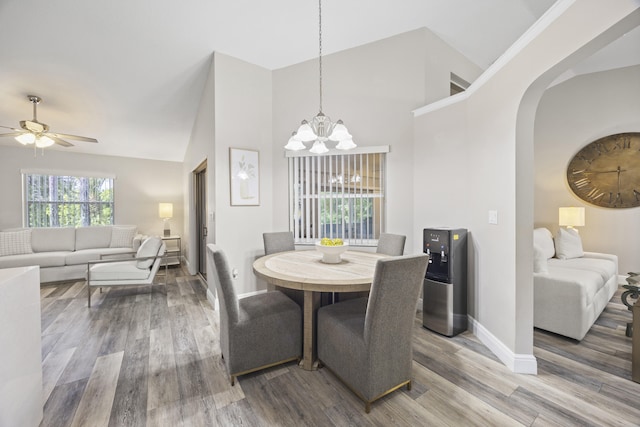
130 402
52 367
96 403
62 403
163 375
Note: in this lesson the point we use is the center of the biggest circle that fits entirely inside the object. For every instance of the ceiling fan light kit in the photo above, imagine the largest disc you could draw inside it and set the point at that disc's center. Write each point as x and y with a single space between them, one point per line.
37 133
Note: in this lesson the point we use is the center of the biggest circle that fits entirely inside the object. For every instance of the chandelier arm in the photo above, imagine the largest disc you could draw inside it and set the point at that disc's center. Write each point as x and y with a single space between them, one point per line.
320 48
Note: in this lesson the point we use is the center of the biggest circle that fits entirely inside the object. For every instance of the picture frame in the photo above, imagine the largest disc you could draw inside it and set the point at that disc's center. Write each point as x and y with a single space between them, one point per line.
244 177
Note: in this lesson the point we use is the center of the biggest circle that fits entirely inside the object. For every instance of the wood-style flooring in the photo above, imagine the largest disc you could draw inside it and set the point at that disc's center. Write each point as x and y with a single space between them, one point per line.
150 357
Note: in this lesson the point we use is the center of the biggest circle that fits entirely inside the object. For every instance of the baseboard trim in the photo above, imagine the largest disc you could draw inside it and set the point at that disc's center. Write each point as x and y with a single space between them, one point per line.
517 363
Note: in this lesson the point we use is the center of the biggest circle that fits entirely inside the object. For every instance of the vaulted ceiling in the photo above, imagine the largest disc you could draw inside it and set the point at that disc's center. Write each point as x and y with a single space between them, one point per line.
131 73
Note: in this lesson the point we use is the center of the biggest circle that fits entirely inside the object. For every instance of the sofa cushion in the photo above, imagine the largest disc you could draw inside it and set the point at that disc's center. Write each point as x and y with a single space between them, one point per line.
43 259
603 267
568 244
124 270
148 248
86 255
15 242
122 236
93 237
540 264
49 239
543 238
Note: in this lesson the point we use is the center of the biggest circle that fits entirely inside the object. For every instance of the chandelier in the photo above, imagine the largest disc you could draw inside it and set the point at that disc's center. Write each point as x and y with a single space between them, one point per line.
320 129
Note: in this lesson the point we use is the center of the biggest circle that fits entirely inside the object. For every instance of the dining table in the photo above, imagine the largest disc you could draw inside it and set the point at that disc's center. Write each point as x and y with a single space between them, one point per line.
305 270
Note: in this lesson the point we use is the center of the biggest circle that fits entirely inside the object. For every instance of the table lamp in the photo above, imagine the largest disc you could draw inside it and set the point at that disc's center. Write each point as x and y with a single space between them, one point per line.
165 211
571 217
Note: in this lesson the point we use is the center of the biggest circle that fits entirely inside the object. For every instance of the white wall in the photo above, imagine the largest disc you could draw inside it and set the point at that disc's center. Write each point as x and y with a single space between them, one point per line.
373 89
139 186
199 150
243 116
490 129
571 115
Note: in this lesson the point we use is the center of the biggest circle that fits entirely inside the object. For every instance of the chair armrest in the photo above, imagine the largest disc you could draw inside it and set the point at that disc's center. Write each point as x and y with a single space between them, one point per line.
103 256
107 261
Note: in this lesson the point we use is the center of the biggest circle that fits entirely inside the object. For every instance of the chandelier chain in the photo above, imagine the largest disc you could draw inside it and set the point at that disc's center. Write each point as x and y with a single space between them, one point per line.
320 48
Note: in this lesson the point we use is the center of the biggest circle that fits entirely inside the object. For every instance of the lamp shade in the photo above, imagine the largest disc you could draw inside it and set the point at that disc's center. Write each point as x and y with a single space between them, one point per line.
165 210
571 216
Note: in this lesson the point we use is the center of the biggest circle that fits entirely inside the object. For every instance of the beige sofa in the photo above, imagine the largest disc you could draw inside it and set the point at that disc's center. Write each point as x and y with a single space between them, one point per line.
63 253
570 287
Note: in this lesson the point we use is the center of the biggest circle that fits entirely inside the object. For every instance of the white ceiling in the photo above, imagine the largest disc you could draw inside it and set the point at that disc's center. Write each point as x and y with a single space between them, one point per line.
131 72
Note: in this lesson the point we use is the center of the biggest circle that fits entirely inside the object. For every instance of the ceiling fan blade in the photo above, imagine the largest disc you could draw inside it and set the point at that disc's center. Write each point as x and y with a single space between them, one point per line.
13 129
74 137
6 135
59 141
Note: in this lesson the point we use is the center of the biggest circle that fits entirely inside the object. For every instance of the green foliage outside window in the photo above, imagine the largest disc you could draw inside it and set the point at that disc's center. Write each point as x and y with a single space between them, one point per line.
68 201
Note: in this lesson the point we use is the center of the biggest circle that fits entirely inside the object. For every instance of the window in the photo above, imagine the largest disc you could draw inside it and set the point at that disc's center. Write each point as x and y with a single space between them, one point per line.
337 196
67 201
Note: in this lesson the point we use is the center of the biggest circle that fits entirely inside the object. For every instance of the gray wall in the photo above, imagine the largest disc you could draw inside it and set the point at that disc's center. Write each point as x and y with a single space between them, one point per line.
571 115
139 185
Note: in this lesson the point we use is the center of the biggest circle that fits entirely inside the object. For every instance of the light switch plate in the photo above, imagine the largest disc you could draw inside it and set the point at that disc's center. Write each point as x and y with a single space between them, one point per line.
493 217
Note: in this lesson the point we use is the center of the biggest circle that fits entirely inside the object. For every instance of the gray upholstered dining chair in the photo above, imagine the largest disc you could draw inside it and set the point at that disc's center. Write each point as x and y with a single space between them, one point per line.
278 241
281 241
391 244
366 343
258 331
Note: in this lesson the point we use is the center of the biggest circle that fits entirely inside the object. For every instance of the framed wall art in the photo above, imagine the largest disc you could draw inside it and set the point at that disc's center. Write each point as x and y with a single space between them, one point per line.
244 177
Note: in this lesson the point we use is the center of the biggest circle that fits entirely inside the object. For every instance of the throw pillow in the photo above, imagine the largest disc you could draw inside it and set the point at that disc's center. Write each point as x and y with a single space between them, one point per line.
543 239
540 264
149 247
15 242
122 237
568 244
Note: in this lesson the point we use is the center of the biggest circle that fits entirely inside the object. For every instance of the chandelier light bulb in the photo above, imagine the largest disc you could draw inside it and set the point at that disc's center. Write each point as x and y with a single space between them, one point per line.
319 148
346 144
294 143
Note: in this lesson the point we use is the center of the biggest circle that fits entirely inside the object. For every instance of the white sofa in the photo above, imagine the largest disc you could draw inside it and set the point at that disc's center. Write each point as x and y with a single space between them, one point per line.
63 253
570 287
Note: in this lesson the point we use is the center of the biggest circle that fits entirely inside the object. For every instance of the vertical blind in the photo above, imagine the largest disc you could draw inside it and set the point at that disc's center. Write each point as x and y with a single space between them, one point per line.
337 196
67 201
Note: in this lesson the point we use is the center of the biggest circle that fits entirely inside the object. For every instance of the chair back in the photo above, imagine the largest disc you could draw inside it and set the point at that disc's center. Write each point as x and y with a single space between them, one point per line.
228 300
227 296
391 244
392 304
279 241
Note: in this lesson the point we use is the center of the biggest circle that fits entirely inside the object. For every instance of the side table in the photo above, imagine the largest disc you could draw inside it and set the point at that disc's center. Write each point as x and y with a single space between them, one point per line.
173 255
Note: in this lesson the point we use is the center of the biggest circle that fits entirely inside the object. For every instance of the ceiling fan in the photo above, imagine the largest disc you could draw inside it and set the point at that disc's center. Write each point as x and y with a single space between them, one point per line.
35 132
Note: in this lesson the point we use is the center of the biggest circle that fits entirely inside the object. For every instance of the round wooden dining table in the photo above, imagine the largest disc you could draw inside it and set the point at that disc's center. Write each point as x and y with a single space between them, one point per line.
305 271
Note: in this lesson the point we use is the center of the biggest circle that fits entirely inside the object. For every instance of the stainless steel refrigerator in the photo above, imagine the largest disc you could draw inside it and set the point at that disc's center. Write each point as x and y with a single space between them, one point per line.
444 299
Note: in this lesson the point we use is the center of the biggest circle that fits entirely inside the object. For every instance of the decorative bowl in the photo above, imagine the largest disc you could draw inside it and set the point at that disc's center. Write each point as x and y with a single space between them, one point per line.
331 254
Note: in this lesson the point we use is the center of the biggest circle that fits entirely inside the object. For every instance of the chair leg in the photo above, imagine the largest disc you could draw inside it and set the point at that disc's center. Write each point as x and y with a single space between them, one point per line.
88 295
409 386
233 380
367 407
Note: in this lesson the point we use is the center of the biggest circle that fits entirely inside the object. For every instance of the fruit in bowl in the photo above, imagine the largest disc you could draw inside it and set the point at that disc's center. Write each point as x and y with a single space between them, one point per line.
331 249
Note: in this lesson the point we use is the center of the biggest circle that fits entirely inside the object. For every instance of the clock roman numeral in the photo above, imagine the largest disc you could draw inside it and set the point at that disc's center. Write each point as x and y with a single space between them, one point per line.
582 182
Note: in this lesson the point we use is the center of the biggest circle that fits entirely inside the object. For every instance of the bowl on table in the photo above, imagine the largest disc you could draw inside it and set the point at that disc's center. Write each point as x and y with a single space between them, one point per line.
331 254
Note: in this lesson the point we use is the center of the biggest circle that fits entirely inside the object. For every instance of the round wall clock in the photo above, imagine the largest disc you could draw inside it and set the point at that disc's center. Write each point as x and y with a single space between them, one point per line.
606 172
